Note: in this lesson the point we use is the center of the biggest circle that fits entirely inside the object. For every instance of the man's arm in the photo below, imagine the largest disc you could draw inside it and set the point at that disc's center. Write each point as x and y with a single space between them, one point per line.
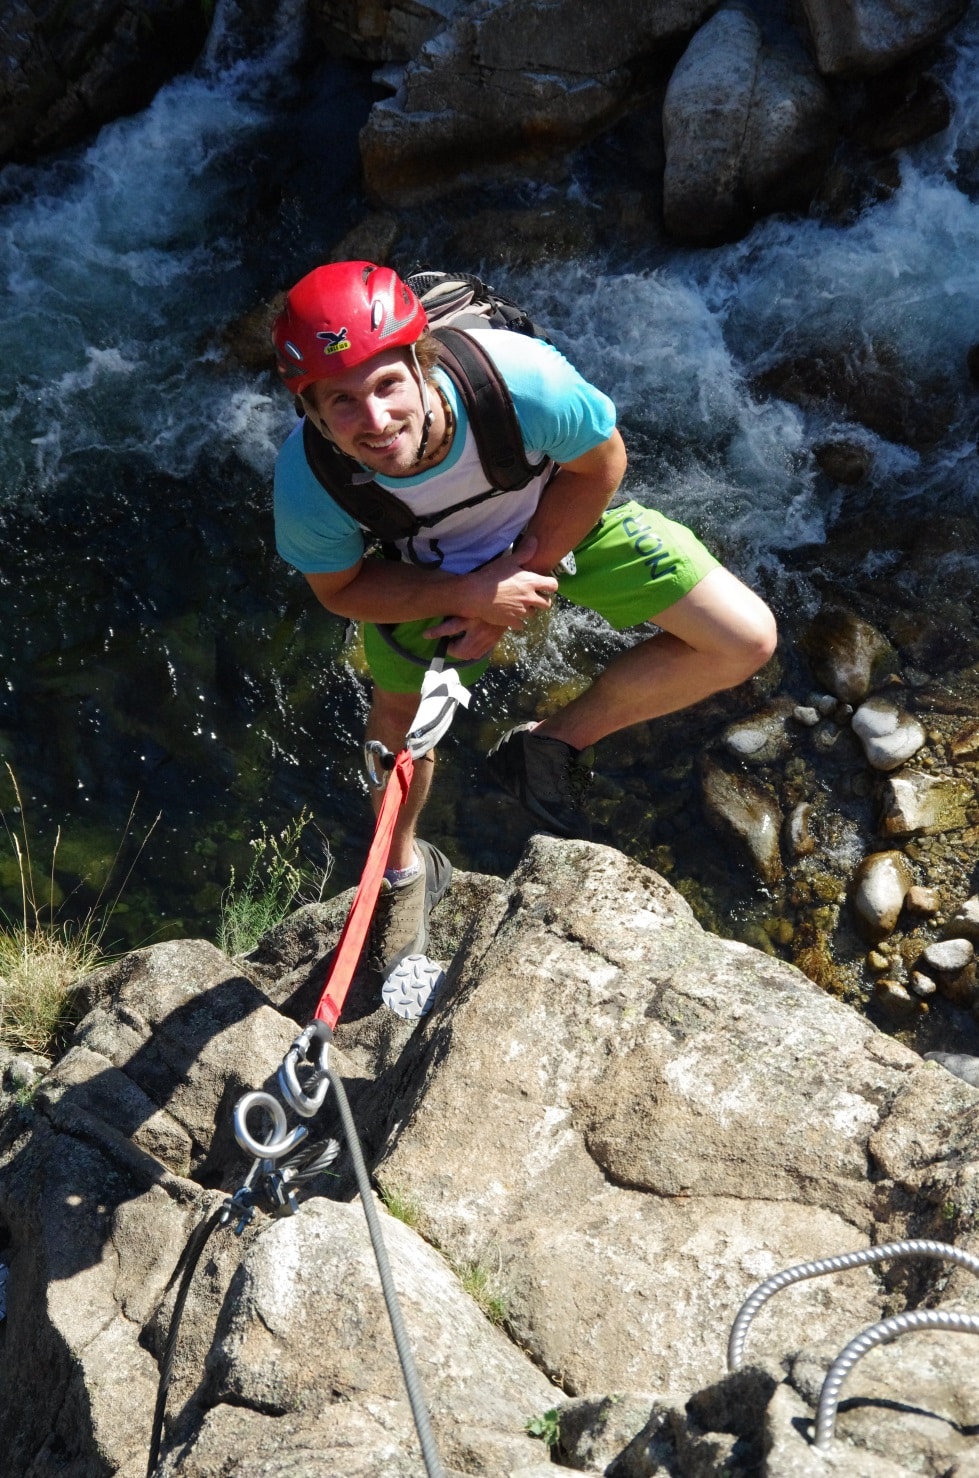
503 593
572 504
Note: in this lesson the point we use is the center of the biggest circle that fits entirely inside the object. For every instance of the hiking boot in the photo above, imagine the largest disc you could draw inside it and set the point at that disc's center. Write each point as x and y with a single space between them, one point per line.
400 924
545 776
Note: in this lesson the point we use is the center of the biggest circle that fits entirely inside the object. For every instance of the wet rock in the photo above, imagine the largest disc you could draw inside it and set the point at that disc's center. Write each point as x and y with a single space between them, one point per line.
951 964
921 984
847 655
799 840
503 86
889 735
742 808
845 462
922 901
894 1000
868 36
964 744
809 717
964 923
926 804
902 108
763 737
746 128
948 956
880 887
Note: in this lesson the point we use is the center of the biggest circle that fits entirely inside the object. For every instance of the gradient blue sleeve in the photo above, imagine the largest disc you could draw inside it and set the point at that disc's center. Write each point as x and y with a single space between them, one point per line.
559 412
312 533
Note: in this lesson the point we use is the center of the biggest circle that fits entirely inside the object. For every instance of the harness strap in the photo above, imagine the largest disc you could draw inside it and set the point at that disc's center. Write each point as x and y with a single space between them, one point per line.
354 932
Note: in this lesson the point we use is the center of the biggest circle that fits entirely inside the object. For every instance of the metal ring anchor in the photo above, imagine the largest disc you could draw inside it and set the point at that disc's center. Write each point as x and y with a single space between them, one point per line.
876 1334
280 1142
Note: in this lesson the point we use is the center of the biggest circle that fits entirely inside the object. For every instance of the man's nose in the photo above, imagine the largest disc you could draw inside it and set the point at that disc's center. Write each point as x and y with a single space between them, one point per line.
373 413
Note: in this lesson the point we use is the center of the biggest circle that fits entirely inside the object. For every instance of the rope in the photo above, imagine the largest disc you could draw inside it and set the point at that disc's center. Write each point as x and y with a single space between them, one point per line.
185 1269
419 1410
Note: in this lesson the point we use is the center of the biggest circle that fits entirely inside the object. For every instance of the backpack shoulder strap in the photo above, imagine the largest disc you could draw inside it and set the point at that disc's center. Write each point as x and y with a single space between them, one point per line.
376 508
490 409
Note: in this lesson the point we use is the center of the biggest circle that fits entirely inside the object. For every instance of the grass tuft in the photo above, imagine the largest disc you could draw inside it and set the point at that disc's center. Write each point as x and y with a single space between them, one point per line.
44 961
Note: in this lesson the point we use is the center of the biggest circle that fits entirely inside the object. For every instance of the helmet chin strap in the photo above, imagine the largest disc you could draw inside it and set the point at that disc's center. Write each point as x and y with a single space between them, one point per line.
429 414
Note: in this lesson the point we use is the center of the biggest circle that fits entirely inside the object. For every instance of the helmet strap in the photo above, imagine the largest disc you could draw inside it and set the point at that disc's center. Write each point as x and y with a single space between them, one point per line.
429 414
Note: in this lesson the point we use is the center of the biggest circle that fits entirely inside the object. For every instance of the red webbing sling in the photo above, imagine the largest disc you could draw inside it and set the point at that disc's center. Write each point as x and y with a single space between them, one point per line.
354 933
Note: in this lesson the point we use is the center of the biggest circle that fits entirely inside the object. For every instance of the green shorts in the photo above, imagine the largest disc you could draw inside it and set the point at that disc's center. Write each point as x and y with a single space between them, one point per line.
631 567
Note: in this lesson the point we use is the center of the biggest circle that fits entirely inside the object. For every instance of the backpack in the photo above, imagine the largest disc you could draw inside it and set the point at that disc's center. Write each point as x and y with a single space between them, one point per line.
452 302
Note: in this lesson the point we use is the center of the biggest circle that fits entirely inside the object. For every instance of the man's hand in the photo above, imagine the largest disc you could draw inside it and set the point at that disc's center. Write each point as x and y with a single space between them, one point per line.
505 593
474 638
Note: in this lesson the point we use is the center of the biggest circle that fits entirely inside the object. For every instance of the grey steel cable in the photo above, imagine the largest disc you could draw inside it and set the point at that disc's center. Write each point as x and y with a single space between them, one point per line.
879 1334
921 1247
419 1410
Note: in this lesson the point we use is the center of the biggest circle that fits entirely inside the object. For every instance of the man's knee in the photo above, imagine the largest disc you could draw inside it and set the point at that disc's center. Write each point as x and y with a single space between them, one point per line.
753 644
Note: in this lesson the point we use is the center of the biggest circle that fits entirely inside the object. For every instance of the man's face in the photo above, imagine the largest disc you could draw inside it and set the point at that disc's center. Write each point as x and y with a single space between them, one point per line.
373 413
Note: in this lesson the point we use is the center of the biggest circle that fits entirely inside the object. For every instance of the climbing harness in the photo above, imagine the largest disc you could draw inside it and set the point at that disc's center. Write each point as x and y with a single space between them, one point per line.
875 1334
284 1158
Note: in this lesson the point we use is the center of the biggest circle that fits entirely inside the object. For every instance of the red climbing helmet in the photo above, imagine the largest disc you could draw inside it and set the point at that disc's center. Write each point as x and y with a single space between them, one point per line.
337 316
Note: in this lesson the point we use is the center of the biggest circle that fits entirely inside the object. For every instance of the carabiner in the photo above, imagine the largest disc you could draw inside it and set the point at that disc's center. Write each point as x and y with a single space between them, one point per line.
306 1100
377 755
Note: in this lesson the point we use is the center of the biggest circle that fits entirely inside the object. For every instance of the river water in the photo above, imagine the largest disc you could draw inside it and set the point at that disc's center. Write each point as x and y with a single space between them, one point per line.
156 656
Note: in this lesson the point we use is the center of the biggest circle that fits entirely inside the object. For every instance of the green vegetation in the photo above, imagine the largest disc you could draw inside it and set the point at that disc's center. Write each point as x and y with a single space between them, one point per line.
43 960
274 884
402 1207
547 1427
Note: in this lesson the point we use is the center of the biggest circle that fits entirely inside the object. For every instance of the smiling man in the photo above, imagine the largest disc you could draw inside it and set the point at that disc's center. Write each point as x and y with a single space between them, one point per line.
387 441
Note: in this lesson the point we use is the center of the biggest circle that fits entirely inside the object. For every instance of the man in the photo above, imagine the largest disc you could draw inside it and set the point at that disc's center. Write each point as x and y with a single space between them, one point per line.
352 342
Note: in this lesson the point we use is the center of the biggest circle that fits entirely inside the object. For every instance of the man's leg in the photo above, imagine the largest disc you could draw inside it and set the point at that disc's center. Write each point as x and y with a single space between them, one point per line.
417 873
389 721
635 567
713 638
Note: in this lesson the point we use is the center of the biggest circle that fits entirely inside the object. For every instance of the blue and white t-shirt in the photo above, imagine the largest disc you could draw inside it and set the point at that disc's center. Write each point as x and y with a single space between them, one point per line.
560 414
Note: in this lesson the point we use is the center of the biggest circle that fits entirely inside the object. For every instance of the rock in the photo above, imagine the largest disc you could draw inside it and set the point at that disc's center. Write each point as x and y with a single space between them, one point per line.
922 901
745 128
60 81
868 36
903 107
922 985
964 923
504 85
665 1118
880 887
889 736
799 840
847 654
743 809
961 1064
917 803
845 462
761 738
965 743
950 963
948 956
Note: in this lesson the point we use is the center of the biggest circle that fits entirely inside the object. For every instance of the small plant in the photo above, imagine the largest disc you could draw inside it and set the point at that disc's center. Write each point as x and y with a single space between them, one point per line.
274 883
42 961
402 1207
483 1289
547 1427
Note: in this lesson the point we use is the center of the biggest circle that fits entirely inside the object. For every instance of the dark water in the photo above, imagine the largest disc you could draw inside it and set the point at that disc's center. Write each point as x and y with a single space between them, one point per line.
156 654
